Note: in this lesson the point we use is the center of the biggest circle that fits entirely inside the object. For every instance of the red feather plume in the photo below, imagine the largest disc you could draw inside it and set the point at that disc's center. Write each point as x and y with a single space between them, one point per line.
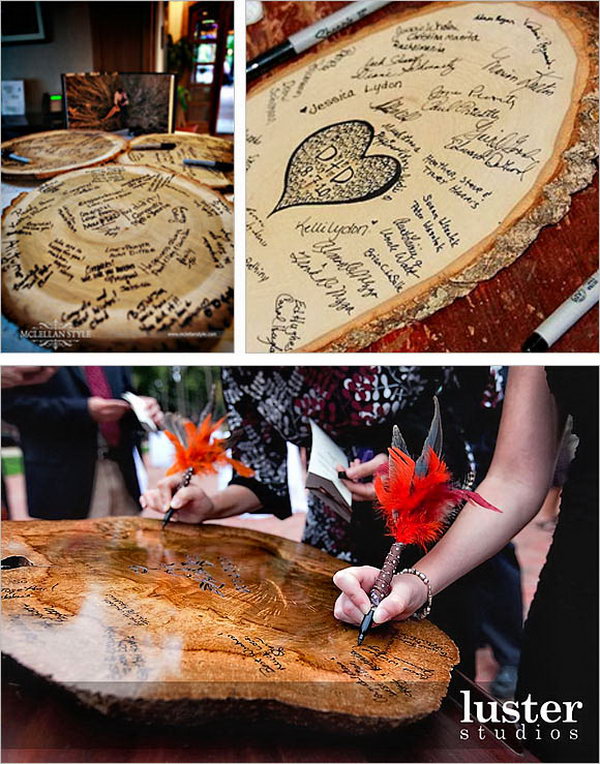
416 507
203 452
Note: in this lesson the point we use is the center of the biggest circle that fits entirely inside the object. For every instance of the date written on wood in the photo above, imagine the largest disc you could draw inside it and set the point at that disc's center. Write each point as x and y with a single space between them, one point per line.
400 156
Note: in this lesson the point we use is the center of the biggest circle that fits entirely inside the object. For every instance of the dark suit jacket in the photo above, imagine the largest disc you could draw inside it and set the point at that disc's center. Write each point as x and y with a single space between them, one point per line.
60 441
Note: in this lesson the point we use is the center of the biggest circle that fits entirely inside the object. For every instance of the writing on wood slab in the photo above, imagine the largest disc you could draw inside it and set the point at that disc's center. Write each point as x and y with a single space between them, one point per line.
190 146
407 166
123 256
207 618
52 153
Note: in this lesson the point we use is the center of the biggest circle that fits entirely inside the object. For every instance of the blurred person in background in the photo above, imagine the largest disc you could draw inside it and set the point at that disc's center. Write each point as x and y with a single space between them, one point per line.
78 438
12 376
356 407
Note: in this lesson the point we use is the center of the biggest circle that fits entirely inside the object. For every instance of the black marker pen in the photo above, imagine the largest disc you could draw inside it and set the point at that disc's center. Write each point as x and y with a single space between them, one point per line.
563 318
306 38
210 164
153 147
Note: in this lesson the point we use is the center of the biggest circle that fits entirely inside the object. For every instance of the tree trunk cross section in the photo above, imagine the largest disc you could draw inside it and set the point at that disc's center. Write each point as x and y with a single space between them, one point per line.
195 623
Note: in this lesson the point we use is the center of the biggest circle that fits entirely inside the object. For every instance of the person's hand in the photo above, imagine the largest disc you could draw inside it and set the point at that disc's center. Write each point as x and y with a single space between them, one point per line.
407 595
358 470
106 409
14 376
191 503
153 410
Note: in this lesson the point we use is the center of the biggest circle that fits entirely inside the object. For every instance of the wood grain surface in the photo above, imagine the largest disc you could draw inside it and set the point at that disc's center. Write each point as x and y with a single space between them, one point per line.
58 151
197 623
187 146
121 257
498 314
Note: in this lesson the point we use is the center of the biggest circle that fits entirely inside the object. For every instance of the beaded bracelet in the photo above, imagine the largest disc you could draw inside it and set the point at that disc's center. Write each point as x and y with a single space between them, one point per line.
425 609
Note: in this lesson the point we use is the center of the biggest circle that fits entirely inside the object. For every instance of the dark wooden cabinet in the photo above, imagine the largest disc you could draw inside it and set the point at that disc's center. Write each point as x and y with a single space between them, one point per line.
124 39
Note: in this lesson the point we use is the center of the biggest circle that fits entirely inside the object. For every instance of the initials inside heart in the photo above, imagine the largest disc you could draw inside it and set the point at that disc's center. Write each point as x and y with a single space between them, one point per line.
332 166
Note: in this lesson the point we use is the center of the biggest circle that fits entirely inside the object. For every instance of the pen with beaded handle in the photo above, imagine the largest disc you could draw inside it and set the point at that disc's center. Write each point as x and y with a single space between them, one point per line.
382 587
199 450
185 481
416 498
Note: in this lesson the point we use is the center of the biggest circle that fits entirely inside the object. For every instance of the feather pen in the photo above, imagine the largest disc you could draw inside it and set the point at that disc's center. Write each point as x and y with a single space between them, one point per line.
415 498
198 451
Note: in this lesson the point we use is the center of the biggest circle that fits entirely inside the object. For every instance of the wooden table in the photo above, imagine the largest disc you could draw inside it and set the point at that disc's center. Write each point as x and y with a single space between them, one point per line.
41 724
501 313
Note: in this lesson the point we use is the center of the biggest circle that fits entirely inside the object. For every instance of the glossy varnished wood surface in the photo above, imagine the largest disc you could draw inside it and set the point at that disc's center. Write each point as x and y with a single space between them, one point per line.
204 622
499 314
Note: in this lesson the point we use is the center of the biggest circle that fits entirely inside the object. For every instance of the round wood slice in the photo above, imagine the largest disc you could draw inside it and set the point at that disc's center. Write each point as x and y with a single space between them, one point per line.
189 146
119 257
409 161
200 622
59 151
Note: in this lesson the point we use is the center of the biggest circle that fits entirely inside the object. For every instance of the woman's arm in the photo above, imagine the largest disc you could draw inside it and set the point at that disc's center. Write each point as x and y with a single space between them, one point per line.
193 505
517 482
257 403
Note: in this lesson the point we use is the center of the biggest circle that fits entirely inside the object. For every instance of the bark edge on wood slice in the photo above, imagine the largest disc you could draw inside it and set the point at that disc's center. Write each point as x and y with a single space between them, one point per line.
195 623
568 170
67 152
189 146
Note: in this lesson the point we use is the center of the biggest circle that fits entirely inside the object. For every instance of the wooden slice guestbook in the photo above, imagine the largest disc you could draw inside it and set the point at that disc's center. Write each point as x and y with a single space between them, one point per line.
196 623
59 151
390 173
188 146
119 257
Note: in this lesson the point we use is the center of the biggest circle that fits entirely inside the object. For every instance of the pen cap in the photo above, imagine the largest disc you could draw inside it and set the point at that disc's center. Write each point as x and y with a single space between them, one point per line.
321 30
570 311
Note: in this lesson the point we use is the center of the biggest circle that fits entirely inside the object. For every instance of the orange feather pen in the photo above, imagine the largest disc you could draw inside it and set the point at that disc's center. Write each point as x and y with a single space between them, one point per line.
199 451
416 499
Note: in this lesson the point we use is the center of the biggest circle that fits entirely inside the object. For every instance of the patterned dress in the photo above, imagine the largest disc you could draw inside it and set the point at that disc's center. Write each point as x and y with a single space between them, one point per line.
356 407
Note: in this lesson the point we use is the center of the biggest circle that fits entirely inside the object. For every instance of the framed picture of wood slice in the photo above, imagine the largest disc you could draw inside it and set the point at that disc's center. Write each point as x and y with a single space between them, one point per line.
187 146
410 161
141 102
57 151
204 623
119 258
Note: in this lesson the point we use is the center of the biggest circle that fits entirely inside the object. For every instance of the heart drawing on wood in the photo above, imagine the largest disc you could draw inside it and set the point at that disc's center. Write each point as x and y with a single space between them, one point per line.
332 166
447 136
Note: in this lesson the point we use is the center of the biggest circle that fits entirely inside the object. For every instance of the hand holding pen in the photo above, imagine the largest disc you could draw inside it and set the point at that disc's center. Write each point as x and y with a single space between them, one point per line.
185 481
199 450
406 596
183 504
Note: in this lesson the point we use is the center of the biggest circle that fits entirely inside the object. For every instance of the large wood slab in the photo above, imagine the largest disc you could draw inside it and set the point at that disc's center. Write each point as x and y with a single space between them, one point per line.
448 92
42 724
196 623
120 257
187 146
56 151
